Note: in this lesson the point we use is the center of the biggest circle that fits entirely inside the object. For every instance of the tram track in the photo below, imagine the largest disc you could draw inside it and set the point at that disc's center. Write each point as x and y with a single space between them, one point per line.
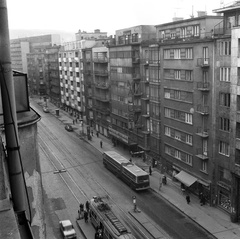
73 164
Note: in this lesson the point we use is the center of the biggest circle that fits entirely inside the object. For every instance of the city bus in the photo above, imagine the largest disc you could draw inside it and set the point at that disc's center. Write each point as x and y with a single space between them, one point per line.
103 219
130 173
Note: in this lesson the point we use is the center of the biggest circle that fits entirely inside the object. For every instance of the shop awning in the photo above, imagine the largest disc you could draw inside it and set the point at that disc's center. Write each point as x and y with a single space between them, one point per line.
186 178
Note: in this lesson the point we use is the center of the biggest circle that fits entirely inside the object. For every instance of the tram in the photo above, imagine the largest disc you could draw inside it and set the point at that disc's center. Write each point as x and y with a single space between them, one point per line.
103 218
130 173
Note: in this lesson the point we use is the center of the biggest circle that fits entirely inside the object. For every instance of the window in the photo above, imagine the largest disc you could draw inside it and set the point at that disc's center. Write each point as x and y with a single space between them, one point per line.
204 166
189 53
225 99
188 118
177 53
167 131
166 54
177 74
224 148
167 112
177 154
225 48
189 139
183 32
177 94
172 35
225 73
177 135
189 75
224 124
167 94
195 30
76 54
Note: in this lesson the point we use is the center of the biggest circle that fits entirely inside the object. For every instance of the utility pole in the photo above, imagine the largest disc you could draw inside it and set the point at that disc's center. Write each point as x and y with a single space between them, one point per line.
10 117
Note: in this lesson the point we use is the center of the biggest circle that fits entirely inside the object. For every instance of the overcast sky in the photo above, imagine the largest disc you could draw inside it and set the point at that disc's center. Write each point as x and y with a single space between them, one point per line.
106 15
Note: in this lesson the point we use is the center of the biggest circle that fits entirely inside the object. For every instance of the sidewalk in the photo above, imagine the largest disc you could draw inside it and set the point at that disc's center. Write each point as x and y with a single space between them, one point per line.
212 219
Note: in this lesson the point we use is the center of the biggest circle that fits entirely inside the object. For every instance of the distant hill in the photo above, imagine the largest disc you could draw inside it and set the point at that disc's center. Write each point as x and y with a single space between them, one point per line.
20 33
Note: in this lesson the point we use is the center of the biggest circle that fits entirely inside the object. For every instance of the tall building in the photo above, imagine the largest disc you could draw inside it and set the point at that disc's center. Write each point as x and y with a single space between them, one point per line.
227 91
124 64
71 77
19 48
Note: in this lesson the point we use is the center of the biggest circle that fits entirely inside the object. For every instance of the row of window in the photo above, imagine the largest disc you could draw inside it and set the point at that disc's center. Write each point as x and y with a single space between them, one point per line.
185 75
180 53
178 135
178 115
178 95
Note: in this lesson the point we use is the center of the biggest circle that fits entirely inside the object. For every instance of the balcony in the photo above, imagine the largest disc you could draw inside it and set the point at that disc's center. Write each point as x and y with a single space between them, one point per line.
202 154
100 60
154 62
136 76
202 132
203 86
135 60
203 62
102 98
202 109
145 97
104 111
102 85
101 73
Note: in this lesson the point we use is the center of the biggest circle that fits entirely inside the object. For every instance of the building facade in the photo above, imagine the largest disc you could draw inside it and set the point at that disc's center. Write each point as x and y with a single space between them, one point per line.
124 64
19 48
71 77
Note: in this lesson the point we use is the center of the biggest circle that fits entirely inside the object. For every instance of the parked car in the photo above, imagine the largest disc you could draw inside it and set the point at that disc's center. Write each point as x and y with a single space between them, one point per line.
68 127
67 229
45 109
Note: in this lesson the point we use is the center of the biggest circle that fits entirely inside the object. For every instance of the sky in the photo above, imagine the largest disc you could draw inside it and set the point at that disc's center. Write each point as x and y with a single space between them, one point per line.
106 15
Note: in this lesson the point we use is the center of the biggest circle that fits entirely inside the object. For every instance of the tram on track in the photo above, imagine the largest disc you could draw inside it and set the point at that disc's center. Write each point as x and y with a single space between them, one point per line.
103 218
130 173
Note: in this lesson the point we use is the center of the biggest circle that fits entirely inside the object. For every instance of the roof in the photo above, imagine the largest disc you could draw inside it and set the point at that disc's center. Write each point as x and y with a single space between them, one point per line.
135 170
66 223
228 7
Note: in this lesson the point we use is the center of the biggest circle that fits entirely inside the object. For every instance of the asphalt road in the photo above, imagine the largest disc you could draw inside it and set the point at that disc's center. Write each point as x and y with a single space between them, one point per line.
86 177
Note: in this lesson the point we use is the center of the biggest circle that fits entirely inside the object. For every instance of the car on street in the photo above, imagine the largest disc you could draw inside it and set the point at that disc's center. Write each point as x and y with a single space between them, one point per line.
67 229
45 109
68 127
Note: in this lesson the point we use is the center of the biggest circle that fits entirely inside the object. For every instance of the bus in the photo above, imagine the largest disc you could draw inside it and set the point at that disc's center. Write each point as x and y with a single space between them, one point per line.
103 219
130 173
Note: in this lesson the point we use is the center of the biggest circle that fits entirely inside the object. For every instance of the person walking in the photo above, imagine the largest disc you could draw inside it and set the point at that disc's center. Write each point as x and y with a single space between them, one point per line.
85 216
97 133
188 199
160 183
150 170
87 206
92 132
101 143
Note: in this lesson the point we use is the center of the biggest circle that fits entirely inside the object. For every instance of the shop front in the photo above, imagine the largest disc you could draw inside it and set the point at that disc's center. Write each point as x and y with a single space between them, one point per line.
224 197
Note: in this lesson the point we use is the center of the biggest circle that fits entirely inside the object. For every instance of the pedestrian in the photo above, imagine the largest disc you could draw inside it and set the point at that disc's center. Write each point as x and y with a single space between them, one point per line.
101 143
92 132
188 199
160 183
150 170
85 216
130 160
87 206
203 200
73 121
97 133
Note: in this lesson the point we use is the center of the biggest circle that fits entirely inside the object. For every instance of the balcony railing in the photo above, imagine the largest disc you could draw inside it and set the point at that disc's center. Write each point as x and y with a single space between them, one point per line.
203 62
203 86
102 85
202 132
100 60
202 154
203 109
102 72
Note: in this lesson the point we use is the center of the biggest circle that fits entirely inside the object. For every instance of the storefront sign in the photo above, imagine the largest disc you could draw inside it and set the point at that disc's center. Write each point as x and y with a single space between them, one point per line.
118 135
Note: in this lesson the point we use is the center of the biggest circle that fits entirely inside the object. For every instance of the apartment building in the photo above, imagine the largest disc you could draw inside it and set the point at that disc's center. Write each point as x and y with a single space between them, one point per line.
72 78
227 86
19 48
97 34
124 63
43 72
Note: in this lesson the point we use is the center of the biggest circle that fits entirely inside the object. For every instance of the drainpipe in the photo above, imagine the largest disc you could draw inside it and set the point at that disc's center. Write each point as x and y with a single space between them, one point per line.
10 117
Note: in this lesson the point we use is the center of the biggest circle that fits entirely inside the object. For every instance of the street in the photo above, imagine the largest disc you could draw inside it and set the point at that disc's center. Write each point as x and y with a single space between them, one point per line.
84 176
